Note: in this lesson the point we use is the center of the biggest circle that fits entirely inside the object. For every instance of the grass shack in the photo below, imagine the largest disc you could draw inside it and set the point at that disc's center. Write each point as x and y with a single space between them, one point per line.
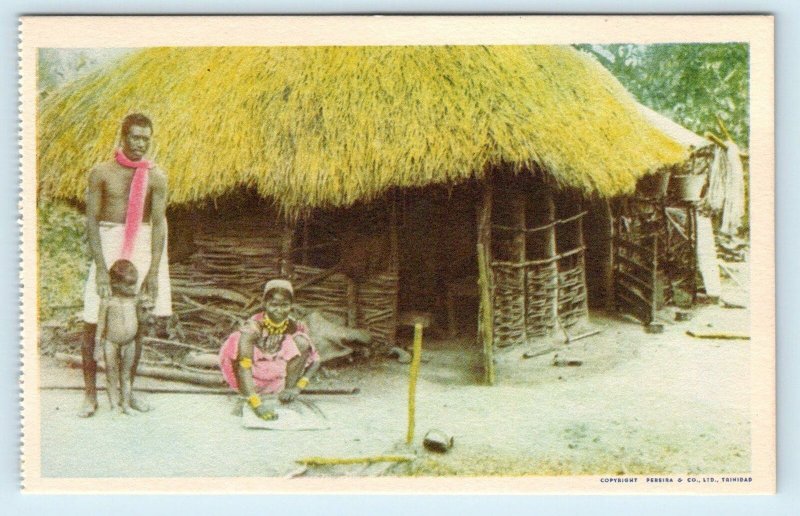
470 182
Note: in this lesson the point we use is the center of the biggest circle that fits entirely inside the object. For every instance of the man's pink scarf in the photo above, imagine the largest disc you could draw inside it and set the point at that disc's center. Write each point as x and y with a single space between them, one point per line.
135 212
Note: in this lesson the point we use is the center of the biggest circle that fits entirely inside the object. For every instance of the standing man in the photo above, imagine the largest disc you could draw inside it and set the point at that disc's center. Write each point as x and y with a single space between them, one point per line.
125 218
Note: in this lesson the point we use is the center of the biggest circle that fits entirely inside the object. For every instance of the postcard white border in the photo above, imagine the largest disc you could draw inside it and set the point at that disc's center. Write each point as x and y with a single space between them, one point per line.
127 32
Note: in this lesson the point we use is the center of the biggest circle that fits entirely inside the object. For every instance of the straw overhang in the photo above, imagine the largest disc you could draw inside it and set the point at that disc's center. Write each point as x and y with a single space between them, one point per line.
329 126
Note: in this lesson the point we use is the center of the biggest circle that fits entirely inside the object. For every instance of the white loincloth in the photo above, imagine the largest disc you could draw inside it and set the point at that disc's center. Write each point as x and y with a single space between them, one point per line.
111 236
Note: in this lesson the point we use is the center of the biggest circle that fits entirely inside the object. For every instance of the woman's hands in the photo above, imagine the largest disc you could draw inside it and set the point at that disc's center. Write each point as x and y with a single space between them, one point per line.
289 395
265 412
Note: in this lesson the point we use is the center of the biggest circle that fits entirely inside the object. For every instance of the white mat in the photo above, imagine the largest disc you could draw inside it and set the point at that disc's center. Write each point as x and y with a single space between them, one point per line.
298 415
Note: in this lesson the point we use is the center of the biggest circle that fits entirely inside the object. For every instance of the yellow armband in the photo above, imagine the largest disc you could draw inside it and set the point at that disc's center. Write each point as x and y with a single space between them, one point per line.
246 363
302 383
254 400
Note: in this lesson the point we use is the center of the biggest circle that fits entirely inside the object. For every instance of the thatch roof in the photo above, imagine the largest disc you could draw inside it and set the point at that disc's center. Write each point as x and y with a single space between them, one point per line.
329 126
674 130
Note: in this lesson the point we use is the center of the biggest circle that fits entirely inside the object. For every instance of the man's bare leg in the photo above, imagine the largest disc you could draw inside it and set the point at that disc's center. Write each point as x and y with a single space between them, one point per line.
137 403
89 366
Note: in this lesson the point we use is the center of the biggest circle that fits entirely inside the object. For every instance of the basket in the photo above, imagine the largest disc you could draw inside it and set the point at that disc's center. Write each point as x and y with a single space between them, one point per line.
688 187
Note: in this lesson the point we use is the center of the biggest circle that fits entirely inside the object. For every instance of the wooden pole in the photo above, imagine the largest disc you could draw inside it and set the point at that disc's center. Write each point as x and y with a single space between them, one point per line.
485 283
394 251
582 260
286 265
518 251
412 381
608 270
306 240
654 279
209 391
352 303
210 379
333 461
692 216
550 250
394 248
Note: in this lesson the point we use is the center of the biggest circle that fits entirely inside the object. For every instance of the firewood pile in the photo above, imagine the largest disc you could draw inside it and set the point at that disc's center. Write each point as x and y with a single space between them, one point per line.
240 255
185 348
219 287
182 348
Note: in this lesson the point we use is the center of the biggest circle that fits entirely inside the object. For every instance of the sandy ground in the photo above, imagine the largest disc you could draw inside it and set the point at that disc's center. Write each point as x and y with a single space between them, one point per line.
638 404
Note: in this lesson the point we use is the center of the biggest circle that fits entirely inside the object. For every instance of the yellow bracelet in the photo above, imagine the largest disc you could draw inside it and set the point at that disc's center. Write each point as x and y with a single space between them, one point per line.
245 363
302 383
254 400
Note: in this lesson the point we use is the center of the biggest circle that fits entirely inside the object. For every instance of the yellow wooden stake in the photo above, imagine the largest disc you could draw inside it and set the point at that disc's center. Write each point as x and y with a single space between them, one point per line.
334 461
412 382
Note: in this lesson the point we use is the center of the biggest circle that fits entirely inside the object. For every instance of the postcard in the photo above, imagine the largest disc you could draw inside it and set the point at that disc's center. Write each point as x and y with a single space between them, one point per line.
412 254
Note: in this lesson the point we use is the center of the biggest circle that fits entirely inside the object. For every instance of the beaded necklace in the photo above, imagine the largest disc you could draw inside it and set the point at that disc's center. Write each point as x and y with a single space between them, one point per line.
275 328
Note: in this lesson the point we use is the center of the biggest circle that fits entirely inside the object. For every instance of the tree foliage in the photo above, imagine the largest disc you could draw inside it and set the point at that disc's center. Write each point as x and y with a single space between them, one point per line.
690 83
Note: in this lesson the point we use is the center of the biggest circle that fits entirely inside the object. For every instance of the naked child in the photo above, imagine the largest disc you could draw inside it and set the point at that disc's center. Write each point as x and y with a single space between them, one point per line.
118 326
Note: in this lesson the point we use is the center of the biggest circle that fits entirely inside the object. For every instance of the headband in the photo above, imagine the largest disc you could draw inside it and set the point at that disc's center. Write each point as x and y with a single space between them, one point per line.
279 283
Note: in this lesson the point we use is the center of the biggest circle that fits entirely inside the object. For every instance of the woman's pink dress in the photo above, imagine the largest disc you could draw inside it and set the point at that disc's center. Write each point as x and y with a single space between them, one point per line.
269 370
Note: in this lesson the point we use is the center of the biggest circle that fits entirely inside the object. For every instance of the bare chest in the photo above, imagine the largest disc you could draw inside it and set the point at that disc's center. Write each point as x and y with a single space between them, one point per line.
116 192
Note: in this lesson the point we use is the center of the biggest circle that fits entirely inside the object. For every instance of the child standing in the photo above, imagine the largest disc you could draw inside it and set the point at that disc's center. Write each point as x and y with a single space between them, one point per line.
117 333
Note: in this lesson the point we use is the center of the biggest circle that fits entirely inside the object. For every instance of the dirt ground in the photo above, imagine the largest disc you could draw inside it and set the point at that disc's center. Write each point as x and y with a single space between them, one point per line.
638 404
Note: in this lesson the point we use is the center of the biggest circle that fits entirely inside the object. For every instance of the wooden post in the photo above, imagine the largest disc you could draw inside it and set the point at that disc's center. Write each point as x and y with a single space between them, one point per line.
582 259
352 303
654 280
286 265
691 213
394 248
412 381
485 282
394 252
519 253
550 249
306 241
608 269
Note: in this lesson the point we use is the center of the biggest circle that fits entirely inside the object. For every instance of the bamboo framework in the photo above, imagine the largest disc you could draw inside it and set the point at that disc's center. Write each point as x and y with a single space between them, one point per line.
533 297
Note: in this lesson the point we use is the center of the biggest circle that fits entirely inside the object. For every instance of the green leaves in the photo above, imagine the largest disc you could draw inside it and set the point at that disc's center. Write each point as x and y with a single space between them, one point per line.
690 83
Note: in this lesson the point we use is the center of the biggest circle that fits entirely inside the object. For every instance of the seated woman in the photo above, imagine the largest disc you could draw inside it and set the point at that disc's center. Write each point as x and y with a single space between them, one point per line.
270 354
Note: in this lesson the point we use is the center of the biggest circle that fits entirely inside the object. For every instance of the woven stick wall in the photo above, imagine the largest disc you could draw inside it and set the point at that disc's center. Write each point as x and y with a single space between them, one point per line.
376 300
555 291
509 314
572 300
241 255
542 294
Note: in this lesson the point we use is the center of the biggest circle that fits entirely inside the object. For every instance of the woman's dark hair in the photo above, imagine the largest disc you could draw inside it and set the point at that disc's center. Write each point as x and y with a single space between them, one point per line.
123 272
136 119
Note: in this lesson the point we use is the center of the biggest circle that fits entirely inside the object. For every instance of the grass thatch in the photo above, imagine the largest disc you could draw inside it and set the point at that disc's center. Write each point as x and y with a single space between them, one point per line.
328 126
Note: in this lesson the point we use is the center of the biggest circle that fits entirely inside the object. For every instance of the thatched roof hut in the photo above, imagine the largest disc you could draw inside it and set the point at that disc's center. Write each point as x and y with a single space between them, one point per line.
415 141
328 126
